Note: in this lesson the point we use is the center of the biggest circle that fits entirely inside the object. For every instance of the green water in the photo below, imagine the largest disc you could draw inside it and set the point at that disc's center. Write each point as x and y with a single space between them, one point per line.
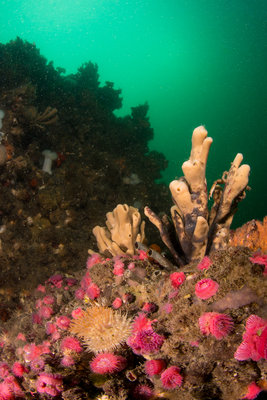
194 61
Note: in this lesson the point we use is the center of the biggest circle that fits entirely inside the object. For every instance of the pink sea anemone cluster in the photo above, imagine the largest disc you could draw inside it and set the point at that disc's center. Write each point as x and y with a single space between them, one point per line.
258 258
93 259
142 255
52 329
117 303
10 389
252 392
87 288
157 319
71 343
50 384
206 288
118 268
261 259
177 278
218 325
143 392
205 263
4 370
19 369
254 344
149 307
142 322
63 322
21 337
144 339
56 280
77 312
107 363
171 378
34 352
37 365
44 312
68 361
93 291
154 367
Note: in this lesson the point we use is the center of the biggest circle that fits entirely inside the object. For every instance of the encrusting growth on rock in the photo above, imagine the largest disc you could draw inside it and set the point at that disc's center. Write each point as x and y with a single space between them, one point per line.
198 230
124 229
253 234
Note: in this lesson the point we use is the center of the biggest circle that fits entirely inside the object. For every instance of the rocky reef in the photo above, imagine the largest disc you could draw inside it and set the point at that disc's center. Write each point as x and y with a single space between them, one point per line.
47 214
134 326
188 321
127 328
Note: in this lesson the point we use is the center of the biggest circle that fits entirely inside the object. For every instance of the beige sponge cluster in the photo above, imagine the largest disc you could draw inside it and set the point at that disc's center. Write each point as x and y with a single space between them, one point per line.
198 230
123 229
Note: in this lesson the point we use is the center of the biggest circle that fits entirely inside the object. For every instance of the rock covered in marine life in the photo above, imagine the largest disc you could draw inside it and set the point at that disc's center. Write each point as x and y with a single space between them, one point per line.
3 154
146 333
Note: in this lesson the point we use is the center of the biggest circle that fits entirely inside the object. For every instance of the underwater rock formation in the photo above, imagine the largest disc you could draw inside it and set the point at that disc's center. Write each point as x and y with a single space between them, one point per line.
146 333
198 230
46 220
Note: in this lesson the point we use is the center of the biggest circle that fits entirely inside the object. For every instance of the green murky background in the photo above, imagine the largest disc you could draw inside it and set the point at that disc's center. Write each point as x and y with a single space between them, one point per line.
194 61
